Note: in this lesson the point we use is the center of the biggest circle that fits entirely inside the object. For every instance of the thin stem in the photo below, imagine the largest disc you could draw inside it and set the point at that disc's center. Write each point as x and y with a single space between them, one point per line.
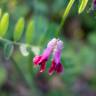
65 14
13 42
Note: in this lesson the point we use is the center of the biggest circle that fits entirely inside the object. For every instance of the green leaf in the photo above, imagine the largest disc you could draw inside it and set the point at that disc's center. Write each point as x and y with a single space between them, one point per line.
4 24
29 31
82 6
18 31
41 28
68 8
8 50
23 50
0 13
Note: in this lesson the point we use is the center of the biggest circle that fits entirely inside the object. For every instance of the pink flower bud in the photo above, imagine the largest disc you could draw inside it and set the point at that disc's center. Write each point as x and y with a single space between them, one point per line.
56 65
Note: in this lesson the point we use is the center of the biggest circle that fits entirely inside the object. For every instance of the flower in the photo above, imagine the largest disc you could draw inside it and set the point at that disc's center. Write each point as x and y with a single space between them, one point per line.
56 65
41 60
55 46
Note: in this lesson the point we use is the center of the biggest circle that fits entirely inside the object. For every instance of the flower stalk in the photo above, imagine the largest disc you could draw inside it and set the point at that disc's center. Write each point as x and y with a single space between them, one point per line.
65 14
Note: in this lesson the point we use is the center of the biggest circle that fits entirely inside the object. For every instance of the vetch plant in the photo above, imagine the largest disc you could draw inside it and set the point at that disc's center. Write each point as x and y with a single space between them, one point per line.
27 32
54 46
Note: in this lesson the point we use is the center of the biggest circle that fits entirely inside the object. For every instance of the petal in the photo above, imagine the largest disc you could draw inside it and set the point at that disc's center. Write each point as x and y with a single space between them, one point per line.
57 56
52 68
60 45
59 68
46 54
57 51
42 66
52 43
36 59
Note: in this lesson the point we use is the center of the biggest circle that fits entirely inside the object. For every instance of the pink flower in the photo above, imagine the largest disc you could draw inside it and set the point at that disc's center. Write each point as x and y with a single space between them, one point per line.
55 46
41 60
56 65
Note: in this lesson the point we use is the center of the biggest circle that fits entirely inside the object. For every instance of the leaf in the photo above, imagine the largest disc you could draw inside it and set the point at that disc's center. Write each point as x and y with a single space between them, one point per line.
0 13
83 4
23 50
29 31
8 50
68 8
19 29
41 27
4 24
23 10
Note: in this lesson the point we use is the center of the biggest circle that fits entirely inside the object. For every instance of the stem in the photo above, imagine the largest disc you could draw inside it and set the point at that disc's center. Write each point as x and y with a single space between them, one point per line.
13 42
20 71
65 14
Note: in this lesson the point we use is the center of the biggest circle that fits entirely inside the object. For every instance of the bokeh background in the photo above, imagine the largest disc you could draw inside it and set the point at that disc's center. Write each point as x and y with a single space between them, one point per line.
17 75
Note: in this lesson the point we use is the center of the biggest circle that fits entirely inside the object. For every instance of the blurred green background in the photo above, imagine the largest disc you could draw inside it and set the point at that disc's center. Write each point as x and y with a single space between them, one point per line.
17 75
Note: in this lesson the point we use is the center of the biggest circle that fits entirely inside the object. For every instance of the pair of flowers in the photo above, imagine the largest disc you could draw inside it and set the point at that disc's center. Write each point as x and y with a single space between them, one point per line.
54 46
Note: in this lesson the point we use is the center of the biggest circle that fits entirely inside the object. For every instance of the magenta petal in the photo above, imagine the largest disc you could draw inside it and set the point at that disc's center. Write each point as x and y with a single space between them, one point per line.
52 68
43 57
42 66
59 68
57 56
36 59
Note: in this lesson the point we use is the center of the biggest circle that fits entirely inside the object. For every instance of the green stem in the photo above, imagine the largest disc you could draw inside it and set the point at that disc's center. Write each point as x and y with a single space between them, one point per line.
13 42
65 14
